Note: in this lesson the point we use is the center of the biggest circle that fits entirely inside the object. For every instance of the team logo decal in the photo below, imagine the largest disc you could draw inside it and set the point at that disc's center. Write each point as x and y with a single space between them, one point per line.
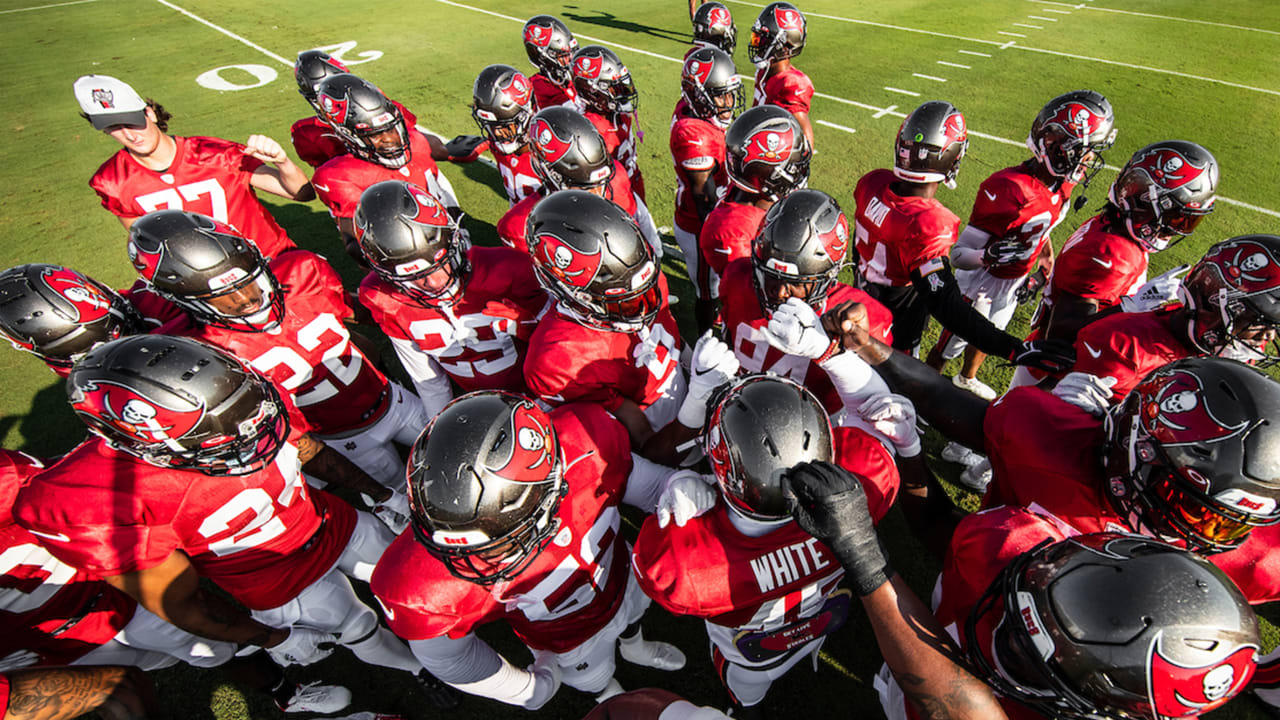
136 415
145 261
537 35
104 98
88 303
551 145
335 111
429 211
788 19
1180 691
1247 265
953 129
698 70
836 240
531 457
1169 168
719 18
517 89
1076 119
1174 411
589 66
772 147
573 267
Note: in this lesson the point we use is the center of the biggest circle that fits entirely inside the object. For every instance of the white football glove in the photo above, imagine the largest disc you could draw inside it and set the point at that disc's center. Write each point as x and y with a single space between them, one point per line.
393 512
686 495
1157 292
1087 392
894 417
303 646
795 329
546 679
714 364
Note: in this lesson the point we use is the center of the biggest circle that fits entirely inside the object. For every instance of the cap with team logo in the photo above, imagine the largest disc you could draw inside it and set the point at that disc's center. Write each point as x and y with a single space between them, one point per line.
108 101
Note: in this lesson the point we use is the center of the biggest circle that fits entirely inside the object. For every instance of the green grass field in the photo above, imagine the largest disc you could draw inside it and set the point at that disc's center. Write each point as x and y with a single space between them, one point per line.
1173 69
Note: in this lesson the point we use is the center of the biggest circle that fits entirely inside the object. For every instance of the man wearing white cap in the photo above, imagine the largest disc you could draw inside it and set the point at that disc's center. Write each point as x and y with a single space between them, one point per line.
157 171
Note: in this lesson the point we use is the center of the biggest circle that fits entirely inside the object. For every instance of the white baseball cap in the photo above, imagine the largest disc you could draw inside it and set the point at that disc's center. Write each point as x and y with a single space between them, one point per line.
108 101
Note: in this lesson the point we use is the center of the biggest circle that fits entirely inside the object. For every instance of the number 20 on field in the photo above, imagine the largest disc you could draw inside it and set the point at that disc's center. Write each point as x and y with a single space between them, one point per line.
215 79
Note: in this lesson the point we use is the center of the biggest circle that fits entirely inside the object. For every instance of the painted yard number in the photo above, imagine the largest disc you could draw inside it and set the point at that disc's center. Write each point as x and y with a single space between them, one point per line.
249 76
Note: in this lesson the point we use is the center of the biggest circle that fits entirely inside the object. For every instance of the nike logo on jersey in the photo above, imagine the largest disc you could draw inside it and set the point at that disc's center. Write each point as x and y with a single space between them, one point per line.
990 195
1095 354
321 188
59 537
1107 264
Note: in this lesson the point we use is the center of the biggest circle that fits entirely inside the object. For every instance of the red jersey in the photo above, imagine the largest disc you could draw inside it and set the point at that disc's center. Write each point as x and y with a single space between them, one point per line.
316 143
340 181
728 232
208 176
519 179
511 227
568 593
155 310
310 356
620 138
548 94
744 322
262 537
696 146
1013 204
1127 346
1095 264
480 340
790 90
894 234
40 596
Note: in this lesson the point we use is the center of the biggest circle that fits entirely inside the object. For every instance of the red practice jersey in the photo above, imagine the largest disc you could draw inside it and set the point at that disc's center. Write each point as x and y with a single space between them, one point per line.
310 356
620 137
480 340
744 322
790 90
1095 265
340 181
155 310
519 179
262 537
208 176
728 232
894 234
1014 205
40 596
1127 346
569 592
697 145
316 143
548 94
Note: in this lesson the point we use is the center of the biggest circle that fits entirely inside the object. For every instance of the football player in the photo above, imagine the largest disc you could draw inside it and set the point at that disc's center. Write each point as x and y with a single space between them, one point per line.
713 28
516 518
777 36
191 472
286 319
155 170
710 100
502 106
769 592
609 100
904 235
452 311
1007 238
766 157
550 47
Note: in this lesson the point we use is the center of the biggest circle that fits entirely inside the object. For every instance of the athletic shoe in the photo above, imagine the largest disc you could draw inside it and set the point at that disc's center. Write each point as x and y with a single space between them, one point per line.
316 698
651 653
978 477
975 386
957 453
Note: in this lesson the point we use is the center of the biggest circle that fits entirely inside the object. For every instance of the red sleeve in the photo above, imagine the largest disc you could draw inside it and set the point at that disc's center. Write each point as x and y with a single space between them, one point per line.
106 184
690 149
931 236
858 452
225 154
421 600
1084 276
997 208
372 295
511 227
1102 351
337 194
654 561
555 366
309 274
795 92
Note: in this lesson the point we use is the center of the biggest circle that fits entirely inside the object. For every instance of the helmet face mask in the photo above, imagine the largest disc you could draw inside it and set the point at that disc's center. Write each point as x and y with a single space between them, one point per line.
1233 298
713 26
550 47
767 153
800 249
930 144
568 152
1164 191
1070 134
370 125
502 107
410 241
310 69
711 88
778 33
603 83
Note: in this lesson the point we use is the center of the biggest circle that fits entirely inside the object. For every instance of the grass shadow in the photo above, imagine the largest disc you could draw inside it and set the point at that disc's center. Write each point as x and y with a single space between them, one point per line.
609 20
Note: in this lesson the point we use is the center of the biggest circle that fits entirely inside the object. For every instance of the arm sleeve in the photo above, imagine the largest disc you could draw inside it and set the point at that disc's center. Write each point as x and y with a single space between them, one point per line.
958 414
645 483
471 665
967 253
853 379
431 383
647 227
935 283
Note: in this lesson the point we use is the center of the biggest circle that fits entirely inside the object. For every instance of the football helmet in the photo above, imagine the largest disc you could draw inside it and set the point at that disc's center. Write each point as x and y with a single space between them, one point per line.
1233 298
589 255
550 47
58 315
1070 133
710 86
1164 191
179 403
713 27
370 125
410 241
207 269
778 33
759 428
1114 626
568 151
803 241
312 68
485 484
930 145
502 105
766 152
603 83
1193 453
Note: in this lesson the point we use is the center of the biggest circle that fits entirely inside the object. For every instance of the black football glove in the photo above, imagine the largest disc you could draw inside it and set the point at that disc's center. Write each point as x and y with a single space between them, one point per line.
1003 252
1051 356
1029 289
831 506
465 148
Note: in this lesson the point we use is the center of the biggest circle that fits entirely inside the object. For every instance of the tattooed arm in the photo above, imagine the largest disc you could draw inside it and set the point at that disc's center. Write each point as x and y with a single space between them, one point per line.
116 693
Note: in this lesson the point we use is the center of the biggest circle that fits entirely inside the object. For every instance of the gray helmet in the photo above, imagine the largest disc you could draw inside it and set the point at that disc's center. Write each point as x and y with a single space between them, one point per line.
359 113
502 105
1114 626
1234 288
1194 453
931 143
1067 129
759 428
550 47
804 240
1164 191
589 254
602 81
779 32
710 86
312 68
713 25
485 484
568 151
193 260
407 237
177 402
766 152
59 315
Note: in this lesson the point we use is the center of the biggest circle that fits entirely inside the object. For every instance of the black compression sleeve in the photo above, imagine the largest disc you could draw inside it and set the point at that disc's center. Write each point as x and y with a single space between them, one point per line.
942 295
956 413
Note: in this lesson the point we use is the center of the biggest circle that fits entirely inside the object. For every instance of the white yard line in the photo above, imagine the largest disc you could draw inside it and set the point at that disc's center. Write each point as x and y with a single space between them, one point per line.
954 65
900 90
1027 25
934 78
227 32
1058 12
973 52
885 111
42 7
1040 17
1010 34
1158 17
838 127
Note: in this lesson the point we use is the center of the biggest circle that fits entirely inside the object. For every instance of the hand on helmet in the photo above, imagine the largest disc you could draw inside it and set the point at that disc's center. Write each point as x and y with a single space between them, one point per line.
686 495
466 148
894 417
303 646
795 329
831 506
261 147
714 364
1051 356
1157 292
1087 392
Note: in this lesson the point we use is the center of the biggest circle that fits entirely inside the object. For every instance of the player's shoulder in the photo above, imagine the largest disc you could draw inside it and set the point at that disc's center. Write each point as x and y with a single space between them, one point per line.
585 427
376 293
794 81
112 171
872 184
303 267
201 150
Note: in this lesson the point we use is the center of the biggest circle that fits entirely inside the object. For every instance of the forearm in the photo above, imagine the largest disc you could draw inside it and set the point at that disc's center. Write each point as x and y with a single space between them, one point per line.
928 509
294 181
472 666
967 253
322 461
942 295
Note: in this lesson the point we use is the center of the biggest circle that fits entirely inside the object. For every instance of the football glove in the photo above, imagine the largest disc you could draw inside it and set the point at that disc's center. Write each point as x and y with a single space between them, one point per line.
1028 290
894 417
1087 392
686 495
466 148
1051 356
831 505
714 364
795 329
1157 292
